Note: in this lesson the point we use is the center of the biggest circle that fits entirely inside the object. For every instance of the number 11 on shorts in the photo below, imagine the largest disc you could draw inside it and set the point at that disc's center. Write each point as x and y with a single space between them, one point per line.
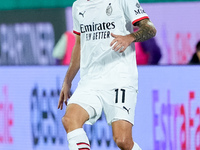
123 95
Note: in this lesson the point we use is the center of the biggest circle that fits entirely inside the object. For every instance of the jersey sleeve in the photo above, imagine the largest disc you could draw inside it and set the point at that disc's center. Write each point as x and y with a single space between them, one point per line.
76 26
133 10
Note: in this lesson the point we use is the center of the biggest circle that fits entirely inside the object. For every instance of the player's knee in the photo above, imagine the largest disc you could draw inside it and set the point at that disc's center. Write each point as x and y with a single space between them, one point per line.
68 123
65 120
123 143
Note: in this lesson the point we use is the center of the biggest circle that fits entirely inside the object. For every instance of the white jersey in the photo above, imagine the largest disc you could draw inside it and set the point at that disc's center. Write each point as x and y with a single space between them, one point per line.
94 21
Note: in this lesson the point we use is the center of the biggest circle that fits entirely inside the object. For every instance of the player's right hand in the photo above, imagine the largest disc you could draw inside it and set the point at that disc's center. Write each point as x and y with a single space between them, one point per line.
64 95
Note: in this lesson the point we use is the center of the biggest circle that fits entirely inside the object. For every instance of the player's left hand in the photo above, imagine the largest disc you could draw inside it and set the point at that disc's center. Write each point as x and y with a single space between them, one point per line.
120 43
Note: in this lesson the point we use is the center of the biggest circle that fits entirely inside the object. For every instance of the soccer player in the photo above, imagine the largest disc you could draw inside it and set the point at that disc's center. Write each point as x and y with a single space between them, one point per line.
105 54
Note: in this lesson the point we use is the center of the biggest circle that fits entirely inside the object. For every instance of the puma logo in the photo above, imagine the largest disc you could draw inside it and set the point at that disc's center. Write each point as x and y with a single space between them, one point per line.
126 109
82 14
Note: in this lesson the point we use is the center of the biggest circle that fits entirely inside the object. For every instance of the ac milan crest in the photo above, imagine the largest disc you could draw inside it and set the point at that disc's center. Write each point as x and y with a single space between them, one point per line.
109 9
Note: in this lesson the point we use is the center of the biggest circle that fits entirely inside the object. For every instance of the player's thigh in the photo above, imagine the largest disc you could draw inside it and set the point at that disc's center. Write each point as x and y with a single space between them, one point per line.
122 130
74 118
88 100
76 114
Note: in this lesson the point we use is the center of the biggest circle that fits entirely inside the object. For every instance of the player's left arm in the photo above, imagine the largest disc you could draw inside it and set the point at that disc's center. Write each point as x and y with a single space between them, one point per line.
146 31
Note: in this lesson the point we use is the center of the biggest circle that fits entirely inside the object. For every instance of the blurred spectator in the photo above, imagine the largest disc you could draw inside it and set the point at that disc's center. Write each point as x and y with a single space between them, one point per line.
196 56
63 49
148 52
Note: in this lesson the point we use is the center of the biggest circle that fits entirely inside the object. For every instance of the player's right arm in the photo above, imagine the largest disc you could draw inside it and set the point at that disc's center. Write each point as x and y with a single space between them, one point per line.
71 73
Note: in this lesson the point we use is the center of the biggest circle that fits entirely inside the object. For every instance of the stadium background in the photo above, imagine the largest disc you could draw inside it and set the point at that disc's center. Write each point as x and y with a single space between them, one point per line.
168 109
